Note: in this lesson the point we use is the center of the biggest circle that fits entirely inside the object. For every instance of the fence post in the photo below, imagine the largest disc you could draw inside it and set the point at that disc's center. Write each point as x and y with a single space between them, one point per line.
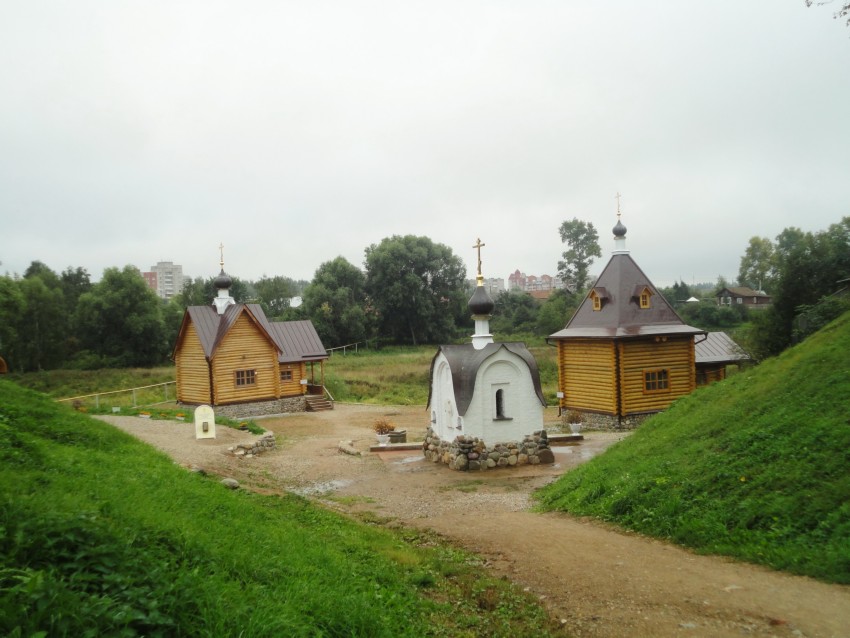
134 397
97 402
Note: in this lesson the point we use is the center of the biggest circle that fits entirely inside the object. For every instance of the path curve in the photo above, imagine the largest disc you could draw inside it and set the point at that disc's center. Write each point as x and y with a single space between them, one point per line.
599 581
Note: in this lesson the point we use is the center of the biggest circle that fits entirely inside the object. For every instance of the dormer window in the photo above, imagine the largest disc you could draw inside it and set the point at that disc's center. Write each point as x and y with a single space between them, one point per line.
644 296
597 296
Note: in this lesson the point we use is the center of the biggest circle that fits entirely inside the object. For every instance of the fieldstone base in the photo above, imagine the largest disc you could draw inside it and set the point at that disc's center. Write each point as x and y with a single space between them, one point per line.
260 408
263 444
594 421
467 453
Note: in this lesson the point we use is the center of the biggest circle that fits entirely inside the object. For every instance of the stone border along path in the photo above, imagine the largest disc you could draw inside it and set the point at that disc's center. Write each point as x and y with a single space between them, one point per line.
598 580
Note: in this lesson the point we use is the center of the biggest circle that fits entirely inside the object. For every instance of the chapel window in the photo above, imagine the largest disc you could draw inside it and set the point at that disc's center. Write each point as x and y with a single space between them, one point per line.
656 380
500 404
246 377
286 375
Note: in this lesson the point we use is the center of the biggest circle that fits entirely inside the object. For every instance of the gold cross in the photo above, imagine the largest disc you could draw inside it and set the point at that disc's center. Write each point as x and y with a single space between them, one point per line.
618 204
478 246
221 248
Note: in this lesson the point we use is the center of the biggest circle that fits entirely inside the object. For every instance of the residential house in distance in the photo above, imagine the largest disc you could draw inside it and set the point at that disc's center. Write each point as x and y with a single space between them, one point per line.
743 296
165 279
233 358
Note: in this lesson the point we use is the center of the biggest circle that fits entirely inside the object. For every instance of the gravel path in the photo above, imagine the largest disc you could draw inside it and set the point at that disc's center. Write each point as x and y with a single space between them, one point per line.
599 581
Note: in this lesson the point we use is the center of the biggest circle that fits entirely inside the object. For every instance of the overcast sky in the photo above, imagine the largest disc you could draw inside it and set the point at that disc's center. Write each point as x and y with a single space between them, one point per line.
295 132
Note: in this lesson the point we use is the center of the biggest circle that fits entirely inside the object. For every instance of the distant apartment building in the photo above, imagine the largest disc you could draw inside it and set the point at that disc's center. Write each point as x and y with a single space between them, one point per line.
165 279
493 285
532 283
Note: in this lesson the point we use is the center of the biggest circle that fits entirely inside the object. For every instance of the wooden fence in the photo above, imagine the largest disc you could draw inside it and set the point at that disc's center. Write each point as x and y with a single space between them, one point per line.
129 392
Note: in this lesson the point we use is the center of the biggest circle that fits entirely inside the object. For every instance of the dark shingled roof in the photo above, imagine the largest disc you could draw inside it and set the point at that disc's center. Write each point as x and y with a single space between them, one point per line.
718 347
293 340
621 316
464 361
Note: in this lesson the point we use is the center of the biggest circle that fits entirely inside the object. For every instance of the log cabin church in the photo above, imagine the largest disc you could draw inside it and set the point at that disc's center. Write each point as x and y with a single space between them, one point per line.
626 354
230 356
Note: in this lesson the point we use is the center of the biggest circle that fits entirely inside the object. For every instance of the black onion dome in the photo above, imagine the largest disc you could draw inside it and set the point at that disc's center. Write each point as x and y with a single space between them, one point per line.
223 281
481 303
619 229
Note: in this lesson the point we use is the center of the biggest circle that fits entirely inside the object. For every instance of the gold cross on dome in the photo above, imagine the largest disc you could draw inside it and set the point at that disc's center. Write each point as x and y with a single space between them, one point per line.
221 249
617 197
478 245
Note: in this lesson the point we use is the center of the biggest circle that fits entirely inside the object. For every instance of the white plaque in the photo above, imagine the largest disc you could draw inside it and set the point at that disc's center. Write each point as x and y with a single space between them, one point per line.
204 422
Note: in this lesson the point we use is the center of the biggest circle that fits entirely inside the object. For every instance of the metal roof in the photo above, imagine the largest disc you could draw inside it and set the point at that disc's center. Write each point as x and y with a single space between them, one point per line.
464 362
299 341
293 340
718 347
621 316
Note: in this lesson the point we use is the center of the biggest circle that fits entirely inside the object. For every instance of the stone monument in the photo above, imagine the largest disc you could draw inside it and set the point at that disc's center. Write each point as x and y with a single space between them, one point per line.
204 422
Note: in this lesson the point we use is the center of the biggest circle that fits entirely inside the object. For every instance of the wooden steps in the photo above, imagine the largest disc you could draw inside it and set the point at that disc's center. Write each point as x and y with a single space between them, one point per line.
318 403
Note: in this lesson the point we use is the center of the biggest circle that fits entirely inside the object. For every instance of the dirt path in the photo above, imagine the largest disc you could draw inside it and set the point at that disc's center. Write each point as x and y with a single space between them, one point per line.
599 581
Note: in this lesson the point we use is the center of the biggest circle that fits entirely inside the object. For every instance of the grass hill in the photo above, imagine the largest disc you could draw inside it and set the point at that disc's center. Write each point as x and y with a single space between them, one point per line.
101 535
756 467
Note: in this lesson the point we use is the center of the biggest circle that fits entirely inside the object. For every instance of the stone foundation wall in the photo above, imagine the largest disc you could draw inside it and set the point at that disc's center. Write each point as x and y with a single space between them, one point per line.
263 444
593 421
261 408
466 453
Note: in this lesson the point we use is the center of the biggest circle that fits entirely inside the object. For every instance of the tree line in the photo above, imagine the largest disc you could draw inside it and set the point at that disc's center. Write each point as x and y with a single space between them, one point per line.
411 290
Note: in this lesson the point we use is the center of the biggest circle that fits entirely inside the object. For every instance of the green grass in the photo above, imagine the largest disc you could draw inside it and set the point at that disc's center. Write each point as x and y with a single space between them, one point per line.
756 467
101 535
390 376
399 375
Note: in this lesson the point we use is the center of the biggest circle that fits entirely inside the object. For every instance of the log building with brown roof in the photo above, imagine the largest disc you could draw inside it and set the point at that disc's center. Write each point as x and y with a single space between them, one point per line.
229 353
625 353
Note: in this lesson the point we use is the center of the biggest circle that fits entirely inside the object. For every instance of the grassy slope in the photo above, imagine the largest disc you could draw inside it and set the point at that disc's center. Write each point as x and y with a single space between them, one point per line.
757 467
102 535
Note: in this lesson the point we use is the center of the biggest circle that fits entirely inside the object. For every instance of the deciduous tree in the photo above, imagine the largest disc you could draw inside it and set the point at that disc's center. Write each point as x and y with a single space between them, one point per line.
417 287
273 295
758 265
120 320
583 242
336 303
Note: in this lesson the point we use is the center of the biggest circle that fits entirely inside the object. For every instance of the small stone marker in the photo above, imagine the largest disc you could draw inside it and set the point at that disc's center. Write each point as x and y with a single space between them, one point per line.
204 422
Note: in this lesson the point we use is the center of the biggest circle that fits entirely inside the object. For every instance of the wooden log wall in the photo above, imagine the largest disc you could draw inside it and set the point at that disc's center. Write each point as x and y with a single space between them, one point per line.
293 387
193 374
245 348
587 374
676 355
710 374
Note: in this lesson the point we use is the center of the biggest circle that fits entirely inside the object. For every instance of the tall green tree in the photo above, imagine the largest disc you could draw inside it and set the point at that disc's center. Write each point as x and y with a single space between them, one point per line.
201 292
43 324
809 267
583 245
758 265
417 287
11 307
556 311
274 293
337 304
120 320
